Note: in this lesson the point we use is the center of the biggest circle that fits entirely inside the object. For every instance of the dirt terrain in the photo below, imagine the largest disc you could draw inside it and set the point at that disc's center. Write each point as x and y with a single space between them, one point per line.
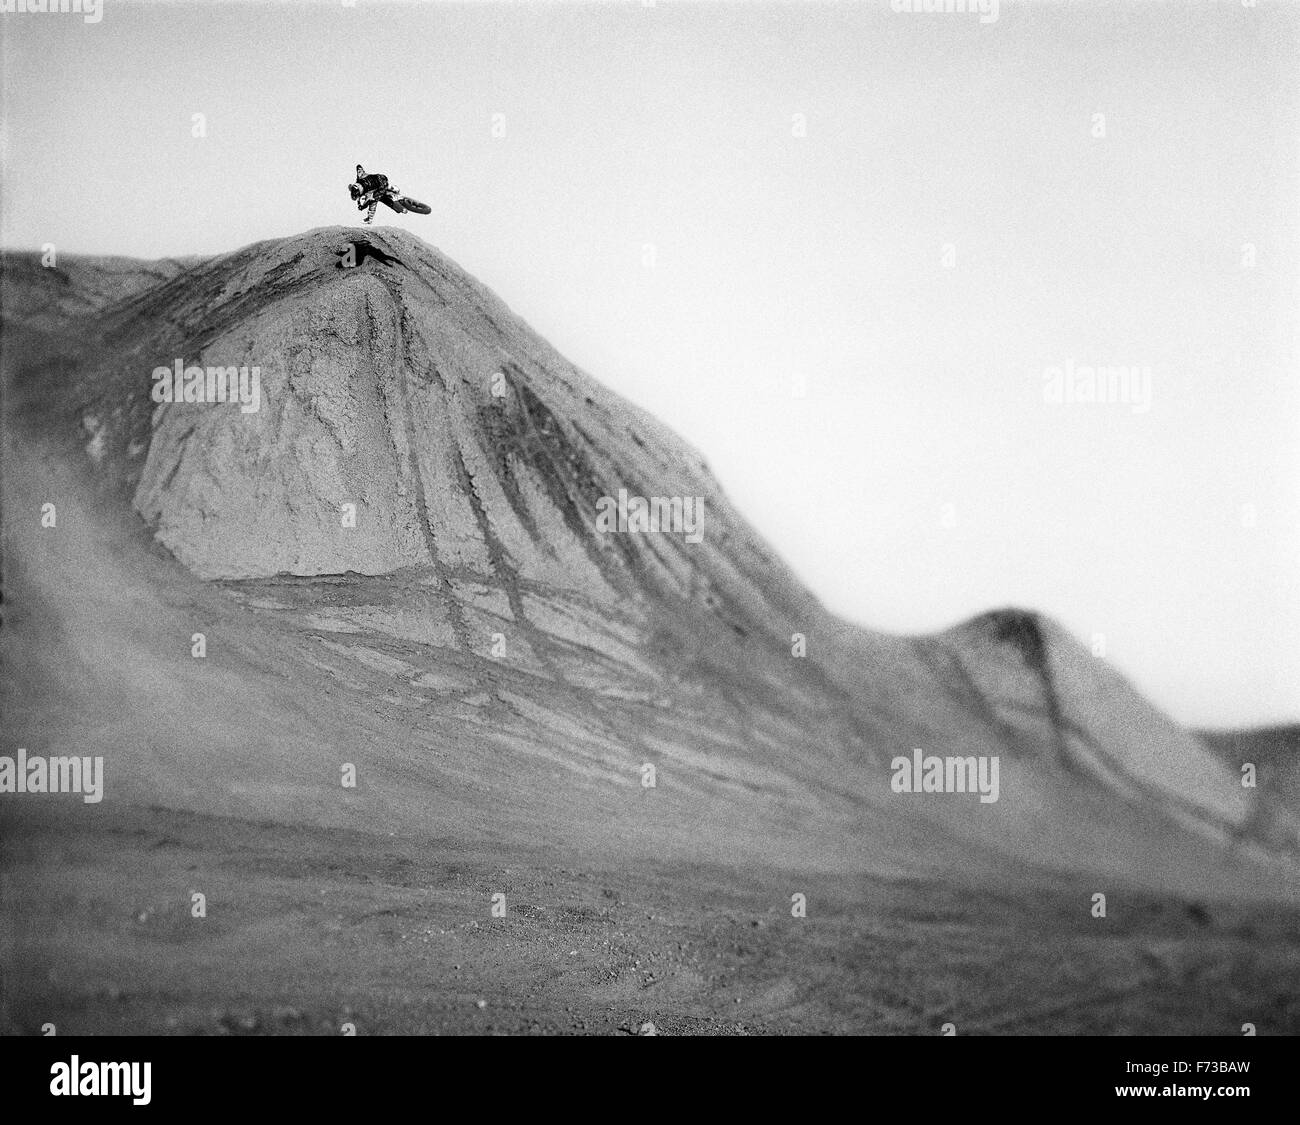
500 680
311 929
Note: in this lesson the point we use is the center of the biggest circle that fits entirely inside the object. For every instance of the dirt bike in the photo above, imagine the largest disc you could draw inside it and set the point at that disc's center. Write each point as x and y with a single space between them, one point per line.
389 197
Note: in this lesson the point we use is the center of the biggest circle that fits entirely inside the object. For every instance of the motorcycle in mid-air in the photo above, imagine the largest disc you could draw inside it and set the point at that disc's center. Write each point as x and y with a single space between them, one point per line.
369 190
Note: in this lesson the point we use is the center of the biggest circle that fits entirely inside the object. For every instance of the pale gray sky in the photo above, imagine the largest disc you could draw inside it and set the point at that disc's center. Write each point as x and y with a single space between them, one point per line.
922 477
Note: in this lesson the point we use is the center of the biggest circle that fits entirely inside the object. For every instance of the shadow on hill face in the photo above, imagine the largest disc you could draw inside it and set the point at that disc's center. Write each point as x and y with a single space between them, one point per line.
365 249
1021 630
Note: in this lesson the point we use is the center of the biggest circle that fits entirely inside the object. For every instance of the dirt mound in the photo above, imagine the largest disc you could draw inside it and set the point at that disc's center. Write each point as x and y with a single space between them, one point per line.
419 512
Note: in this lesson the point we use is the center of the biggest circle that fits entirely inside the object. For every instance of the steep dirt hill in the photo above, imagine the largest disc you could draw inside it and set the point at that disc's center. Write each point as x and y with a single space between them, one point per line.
393 571
473 460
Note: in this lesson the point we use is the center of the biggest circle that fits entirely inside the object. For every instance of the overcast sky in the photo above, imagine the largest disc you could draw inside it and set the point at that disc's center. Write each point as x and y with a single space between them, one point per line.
910 218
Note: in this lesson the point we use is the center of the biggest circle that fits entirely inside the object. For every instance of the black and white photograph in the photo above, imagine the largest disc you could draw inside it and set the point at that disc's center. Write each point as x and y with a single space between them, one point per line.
650 518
